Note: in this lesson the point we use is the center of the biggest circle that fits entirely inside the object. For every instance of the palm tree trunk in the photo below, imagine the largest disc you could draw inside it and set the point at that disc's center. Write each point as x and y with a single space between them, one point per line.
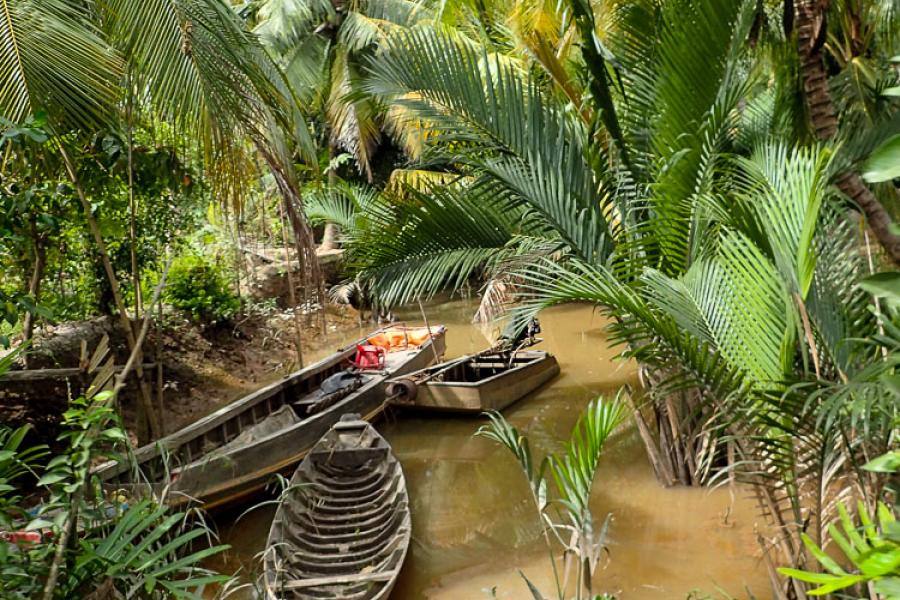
332 231
329 238
810 24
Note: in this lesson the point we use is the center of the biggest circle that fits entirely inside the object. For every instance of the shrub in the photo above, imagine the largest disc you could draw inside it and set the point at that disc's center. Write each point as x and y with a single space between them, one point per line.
199 287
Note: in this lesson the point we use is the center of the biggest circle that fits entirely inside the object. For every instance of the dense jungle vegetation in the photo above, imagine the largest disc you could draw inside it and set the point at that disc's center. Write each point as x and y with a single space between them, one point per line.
718 177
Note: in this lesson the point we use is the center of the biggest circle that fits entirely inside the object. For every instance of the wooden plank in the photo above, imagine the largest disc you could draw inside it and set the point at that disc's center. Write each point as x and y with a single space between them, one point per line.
41 374
337 580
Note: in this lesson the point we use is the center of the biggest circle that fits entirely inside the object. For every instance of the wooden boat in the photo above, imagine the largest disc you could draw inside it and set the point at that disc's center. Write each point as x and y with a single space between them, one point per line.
235 451
342 527
491 380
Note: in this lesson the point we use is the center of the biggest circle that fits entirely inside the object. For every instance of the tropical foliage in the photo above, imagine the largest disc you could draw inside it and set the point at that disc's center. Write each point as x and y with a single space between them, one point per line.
873 548
199 288
573 473
683 194
81 540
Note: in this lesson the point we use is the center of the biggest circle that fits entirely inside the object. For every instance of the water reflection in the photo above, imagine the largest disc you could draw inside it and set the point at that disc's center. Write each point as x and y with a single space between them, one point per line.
473 523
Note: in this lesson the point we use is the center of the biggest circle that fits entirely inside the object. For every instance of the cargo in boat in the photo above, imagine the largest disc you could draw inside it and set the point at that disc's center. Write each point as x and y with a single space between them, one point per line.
492 380
235 451
342 528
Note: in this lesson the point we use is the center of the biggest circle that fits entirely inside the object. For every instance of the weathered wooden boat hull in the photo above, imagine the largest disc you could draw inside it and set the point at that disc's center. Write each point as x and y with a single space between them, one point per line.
342 528
497 391
196 472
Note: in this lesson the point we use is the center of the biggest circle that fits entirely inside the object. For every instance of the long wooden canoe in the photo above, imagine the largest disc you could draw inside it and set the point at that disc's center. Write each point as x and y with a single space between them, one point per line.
487 381
342 528
235 451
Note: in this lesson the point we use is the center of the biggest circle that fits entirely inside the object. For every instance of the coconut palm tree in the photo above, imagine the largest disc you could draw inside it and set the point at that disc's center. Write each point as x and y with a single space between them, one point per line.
322 46
190 62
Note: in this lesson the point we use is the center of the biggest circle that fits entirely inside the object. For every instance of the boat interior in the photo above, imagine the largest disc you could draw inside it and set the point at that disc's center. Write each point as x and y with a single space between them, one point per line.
479 368
288 403
343 522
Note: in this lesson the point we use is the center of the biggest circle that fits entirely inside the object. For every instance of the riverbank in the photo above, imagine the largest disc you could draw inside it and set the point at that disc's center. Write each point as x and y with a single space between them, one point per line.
204 368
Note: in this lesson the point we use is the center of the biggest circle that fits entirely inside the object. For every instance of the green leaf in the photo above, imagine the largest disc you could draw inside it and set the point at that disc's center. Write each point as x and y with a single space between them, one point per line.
884 163
886 463
883 285
52 477
881 562
837 584
889 587
826 561
114 434
535 593
53 57
807 576
38 524
191 559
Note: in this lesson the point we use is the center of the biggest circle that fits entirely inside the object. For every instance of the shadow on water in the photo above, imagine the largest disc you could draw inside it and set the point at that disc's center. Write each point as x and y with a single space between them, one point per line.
474 526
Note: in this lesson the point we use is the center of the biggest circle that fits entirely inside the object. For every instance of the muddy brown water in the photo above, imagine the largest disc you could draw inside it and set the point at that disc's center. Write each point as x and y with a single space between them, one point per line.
474 525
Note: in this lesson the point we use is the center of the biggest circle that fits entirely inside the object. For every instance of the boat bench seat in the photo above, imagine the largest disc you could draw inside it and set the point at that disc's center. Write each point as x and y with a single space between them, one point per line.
348 458
336 580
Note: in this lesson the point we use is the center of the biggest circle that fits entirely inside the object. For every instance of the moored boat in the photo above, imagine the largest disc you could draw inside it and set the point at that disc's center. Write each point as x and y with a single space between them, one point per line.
342 528
235 451
491 380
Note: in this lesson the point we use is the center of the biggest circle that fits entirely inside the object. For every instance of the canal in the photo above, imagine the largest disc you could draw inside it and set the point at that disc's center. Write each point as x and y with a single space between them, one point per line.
474 526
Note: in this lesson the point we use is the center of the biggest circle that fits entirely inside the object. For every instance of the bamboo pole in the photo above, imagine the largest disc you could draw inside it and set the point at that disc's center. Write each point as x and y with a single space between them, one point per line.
160 383
298 342
127 329
132 206
428 327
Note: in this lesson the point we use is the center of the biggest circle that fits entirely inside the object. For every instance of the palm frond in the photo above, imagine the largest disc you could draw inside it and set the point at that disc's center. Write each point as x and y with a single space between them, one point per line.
430 242
283 24
53 59
352 115
305 67
695 86
497 122
735 301
647 334
205 73
343 204
787 186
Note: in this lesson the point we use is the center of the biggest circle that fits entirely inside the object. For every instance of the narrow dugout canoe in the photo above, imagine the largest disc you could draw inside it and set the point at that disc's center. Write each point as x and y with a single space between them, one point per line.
487 381
342 528
235 451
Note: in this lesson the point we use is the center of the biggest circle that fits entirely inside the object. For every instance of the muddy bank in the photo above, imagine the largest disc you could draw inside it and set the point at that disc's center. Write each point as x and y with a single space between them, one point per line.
203 367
